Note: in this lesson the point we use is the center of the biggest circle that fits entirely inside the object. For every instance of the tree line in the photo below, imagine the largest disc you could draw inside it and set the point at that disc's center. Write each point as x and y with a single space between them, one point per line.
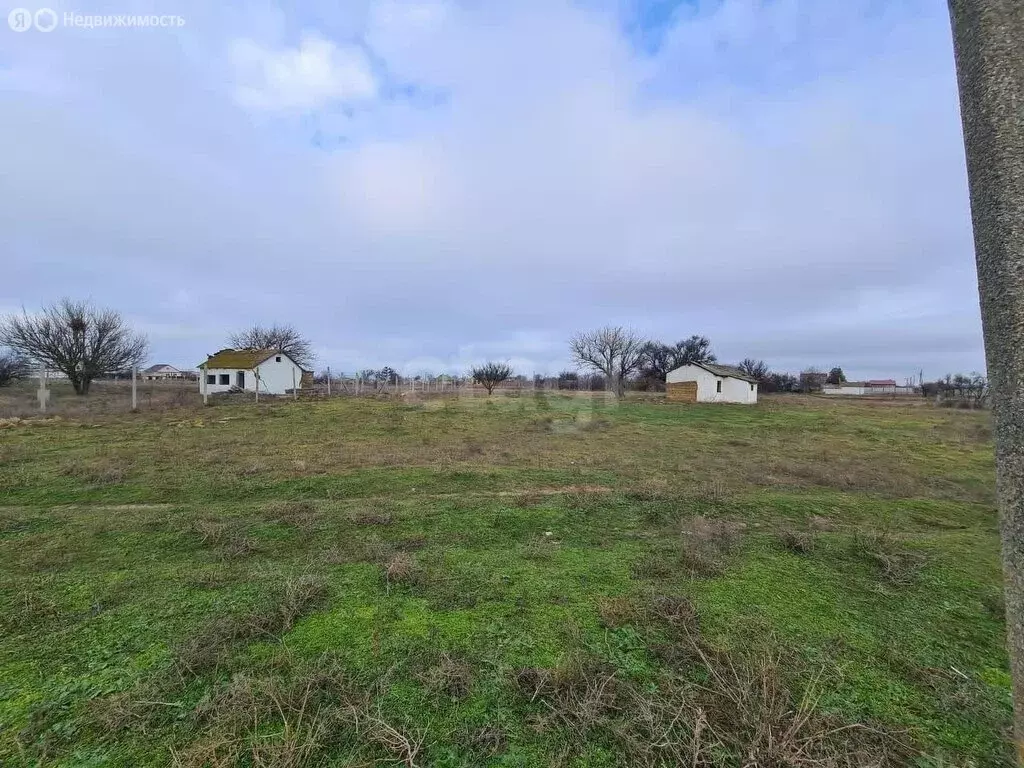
85 343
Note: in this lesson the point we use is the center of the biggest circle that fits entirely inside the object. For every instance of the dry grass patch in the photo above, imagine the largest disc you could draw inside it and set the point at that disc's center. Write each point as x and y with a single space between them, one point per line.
797 542
894 564
286 721
372 517
97 473
303 515
210 647
229 539
450 676
739 710
486 741
540 548
29 609
705 544
404 747
402 568
616 612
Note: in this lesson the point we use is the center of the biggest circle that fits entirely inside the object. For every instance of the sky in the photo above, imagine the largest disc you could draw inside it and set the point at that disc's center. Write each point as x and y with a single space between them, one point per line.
427 184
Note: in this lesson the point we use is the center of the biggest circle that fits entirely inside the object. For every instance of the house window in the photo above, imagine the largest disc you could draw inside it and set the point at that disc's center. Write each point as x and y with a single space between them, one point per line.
211 378
718 386
277 359
225 379
751 386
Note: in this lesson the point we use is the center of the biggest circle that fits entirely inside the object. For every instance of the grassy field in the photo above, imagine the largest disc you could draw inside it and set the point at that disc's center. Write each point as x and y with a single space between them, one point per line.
524 581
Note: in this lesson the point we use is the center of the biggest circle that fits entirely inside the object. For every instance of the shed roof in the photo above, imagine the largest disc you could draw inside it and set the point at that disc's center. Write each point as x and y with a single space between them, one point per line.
238 358
729 371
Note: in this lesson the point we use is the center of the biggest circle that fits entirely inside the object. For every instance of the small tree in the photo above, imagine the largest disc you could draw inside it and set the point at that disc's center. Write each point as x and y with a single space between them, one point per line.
280 337
780 382
77 339
568 380
613 351
12 367
755 369
490 374
836 376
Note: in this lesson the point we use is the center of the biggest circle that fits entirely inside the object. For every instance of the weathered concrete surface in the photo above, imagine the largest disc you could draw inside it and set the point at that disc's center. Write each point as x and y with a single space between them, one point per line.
988 38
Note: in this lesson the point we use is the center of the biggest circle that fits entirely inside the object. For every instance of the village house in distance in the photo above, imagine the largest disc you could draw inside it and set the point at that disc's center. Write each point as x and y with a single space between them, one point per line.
872 387
162 371
267 371
710 383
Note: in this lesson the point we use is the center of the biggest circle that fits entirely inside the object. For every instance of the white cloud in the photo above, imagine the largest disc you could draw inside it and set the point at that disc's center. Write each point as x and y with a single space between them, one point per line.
310 76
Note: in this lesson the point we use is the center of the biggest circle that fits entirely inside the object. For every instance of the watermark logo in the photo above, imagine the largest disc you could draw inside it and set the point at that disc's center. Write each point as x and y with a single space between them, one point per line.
46 20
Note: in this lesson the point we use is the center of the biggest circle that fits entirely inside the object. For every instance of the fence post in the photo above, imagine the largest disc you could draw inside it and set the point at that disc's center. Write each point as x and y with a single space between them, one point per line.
135 395
44 393
295 391
328 381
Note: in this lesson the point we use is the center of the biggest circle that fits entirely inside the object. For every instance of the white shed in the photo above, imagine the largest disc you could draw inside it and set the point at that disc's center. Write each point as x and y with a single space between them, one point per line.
710 383
269 370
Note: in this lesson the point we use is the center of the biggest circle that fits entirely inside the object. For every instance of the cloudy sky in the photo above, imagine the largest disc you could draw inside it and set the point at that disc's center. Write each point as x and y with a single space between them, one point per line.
425 183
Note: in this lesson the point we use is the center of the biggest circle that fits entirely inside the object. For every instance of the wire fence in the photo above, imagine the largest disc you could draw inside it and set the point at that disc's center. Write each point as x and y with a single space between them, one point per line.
49 395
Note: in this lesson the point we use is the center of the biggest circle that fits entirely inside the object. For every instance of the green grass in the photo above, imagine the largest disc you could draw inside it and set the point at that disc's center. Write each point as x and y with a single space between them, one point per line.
335 583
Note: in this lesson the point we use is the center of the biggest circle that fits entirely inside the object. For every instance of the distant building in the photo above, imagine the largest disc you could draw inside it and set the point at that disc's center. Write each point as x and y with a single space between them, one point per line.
710 383
269 371
161 371
872 387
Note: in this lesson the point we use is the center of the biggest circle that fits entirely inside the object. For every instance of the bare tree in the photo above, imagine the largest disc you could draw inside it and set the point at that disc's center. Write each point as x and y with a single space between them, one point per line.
77 339
990 68
755 369
285 338
614 351
659 359
13 366
490 374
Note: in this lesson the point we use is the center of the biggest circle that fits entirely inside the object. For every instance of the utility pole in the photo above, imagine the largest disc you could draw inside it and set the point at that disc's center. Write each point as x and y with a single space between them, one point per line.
987 39
135 394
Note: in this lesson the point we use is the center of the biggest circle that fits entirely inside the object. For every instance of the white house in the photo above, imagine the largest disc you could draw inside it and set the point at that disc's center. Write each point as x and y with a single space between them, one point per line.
269 371
161 371
710 383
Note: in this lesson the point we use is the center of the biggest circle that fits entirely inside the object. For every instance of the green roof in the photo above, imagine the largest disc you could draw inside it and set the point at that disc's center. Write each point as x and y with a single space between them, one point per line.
245 359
